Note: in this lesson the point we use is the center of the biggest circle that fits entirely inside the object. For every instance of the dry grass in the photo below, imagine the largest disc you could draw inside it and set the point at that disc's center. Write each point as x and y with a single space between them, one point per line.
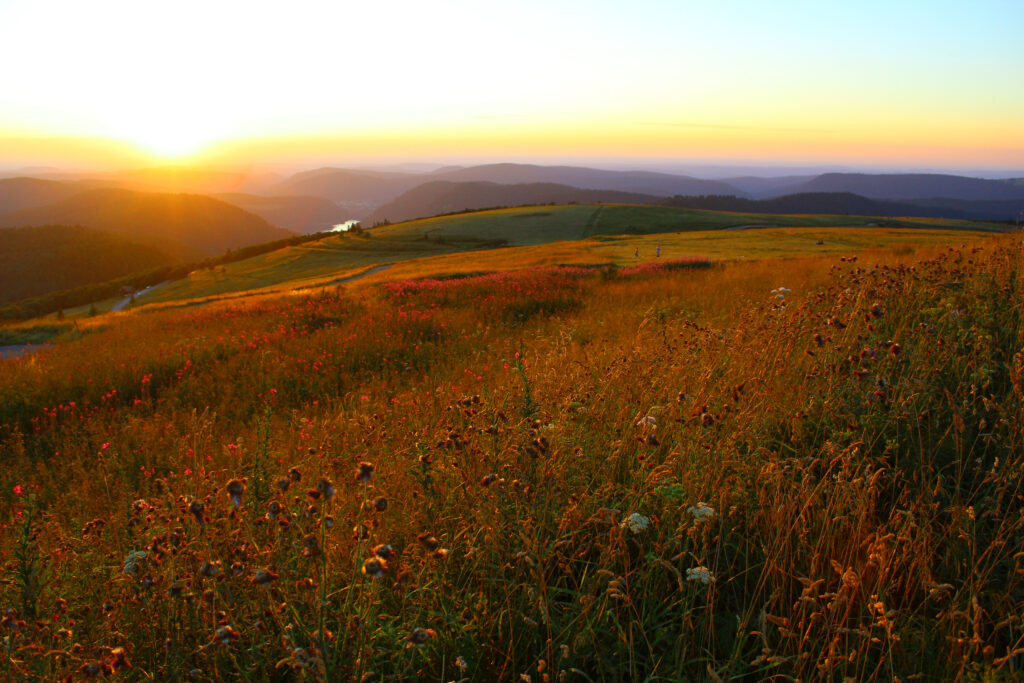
581 475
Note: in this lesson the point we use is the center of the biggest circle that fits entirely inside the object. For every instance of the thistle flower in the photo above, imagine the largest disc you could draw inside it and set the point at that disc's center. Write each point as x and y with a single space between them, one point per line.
420 636
325 488
364 473
636 523
702 512
375 567
701 574
235 489
380 504
273 510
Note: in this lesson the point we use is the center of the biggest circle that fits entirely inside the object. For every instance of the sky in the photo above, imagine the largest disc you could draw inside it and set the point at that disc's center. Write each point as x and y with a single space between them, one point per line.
894 83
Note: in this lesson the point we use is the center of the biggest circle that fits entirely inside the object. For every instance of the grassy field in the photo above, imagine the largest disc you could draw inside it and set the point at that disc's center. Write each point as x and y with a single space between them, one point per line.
656 472
590 234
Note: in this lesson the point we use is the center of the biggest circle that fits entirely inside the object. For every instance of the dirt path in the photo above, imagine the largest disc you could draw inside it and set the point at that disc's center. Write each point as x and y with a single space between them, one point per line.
121 304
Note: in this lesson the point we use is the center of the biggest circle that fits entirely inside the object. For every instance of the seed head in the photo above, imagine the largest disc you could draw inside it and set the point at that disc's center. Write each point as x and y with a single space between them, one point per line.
384 551
380 504
273 510
375 567
262 577
428 541
420 636
235 489
224 635
325 487
196 508
364 473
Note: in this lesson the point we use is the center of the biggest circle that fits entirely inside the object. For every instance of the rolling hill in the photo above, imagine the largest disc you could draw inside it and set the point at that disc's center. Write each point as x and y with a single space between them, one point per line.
39 260
848 204
183 225
441 197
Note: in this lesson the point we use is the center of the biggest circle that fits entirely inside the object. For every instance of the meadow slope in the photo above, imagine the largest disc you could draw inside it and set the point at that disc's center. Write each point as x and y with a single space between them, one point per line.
665 472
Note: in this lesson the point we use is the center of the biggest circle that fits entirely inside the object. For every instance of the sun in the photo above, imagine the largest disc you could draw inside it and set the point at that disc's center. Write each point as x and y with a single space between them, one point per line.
168 136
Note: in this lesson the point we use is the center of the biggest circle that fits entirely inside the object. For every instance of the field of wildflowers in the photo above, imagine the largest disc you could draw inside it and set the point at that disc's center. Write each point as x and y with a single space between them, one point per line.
808 471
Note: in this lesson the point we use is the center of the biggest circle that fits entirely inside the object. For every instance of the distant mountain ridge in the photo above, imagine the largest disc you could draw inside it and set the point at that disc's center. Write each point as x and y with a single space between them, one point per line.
913 186
25 193
184 225
443 196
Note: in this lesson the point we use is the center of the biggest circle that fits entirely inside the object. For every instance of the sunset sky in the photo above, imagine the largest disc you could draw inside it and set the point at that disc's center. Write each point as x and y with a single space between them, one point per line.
127 82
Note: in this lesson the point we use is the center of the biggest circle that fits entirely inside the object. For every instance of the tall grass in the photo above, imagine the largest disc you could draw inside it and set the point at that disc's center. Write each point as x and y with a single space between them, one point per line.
669 474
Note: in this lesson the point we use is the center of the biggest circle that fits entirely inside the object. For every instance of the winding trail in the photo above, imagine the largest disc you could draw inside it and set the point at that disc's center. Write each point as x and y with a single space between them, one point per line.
121 304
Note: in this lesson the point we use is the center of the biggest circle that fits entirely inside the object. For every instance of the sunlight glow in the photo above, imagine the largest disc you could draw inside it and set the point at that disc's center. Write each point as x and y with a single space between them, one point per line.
750 79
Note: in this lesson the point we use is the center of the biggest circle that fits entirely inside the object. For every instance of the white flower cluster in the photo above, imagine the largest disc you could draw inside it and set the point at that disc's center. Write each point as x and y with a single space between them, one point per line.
702 574
702 512
780 292
635 523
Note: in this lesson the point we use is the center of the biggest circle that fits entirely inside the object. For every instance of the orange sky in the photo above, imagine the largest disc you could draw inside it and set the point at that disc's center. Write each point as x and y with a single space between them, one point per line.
897 83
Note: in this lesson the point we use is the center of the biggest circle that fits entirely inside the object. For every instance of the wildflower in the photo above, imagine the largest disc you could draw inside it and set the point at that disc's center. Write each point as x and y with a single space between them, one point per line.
420 636
364 473
702 512
294 474
283 483
460 664
702 574
635 523
19 490
273 510
235 489
262 577
380 504
325 488
647 420
375 567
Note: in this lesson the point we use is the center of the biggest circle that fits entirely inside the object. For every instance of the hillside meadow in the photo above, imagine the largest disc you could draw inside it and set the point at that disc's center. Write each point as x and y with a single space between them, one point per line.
683 469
